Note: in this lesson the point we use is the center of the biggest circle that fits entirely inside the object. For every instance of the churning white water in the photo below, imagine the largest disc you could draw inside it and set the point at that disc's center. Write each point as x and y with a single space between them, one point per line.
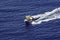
47 16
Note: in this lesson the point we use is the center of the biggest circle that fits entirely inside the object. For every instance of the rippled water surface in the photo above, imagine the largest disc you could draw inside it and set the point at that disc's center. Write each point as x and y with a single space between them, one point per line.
13 12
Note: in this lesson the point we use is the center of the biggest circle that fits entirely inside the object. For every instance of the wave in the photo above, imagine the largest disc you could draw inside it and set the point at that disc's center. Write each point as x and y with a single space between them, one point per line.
47 16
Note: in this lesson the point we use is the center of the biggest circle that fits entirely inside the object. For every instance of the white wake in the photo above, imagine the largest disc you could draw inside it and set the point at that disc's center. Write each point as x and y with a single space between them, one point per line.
47 16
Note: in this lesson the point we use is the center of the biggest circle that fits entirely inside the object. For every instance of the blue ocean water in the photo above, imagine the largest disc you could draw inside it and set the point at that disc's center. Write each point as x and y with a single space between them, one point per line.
12 15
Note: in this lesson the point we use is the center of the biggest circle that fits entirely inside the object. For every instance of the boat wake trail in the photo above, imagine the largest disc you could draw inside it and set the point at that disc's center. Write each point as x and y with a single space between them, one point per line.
47 16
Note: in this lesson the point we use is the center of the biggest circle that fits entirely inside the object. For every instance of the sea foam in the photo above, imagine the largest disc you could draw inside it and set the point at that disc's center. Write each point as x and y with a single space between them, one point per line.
47 16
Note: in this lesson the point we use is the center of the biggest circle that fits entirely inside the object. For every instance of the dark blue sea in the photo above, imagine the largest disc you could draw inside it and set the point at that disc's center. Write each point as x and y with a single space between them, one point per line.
12 15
